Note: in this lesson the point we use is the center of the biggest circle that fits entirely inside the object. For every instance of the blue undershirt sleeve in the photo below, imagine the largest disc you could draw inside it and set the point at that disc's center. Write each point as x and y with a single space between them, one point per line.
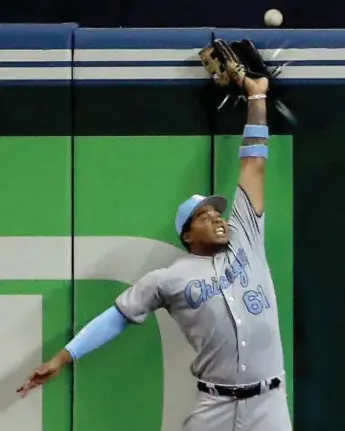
99 331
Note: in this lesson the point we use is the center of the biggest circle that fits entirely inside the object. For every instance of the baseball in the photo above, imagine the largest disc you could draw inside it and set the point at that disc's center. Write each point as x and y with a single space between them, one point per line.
273 18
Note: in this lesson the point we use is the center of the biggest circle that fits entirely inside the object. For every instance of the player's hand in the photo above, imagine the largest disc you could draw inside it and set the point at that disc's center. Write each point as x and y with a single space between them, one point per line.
45 372
40 376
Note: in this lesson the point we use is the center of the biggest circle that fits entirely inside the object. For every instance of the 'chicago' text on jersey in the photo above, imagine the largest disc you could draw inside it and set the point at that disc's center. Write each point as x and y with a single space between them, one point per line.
199 291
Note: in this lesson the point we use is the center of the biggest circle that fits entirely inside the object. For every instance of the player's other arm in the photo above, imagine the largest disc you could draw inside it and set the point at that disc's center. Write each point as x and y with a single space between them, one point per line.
99 331
132 306
253 151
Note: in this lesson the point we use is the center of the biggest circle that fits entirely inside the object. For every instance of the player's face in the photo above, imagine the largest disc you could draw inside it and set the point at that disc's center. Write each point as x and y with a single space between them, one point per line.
208 228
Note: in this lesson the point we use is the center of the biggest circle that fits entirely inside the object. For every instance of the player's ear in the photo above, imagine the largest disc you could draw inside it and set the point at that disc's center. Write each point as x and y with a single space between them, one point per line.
187 237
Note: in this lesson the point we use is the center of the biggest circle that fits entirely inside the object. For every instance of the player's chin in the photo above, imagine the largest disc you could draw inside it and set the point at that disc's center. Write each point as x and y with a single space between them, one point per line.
221 240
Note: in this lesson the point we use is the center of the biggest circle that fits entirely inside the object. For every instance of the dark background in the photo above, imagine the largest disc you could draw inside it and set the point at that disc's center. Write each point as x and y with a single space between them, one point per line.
174 13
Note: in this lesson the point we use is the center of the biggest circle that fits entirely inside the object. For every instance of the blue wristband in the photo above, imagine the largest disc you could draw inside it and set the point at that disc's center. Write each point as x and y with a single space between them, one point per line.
255 131
259 150
99 331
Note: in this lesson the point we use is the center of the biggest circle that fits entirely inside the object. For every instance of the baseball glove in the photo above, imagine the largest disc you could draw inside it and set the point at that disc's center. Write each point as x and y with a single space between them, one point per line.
229 64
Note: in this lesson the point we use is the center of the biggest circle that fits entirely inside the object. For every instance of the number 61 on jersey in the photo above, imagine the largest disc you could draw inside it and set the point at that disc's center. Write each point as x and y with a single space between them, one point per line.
256 300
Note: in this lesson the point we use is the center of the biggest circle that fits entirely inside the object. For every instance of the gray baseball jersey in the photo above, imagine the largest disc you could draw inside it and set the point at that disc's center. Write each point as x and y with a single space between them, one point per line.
225 305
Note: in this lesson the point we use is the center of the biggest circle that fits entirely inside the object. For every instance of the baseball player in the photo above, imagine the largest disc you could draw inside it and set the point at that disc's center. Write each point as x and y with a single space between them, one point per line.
221 294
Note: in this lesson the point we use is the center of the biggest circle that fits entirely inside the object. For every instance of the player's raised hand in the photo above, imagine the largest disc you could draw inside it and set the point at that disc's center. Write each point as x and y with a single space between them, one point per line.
45 373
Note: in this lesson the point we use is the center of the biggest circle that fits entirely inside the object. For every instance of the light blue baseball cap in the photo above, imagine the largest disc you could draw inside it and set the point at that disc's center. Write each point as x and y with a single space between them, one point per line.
188 208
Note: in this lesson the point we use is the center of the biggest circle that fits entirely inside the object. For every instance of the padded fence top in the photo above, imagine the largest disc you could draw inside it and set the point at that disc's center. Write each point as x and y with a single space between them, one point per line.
142 38
62 53
36 53
36 36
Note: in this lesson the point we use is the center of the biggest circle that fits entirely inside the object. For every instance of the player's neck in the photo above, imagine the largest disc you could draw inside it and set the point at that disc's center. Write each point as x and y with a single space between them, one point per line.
209 251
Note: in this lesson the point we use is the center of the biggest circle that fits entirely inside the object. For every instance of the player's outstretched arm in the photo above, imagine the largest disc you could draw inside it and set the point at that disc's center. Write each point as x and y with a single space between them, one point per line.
96 333
253 151
133 305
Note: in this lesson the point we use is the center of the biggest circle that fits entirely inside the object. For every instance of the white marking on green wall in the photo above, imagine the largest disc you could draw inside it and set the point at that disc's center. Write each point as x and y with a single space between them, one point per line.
35 258
21 352
121 258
